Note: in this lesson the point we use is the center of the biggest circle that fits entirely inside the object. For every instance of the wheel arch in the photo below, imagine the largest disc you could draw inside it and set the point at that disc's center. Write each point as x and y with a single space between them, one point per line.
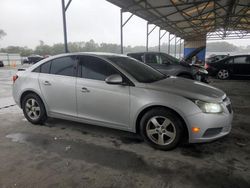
34 92
145 110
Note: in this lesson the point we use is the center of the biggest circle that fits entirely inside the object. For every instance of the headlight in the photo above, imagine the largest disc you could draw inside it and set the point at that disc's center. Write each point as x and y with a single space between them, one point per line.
207 107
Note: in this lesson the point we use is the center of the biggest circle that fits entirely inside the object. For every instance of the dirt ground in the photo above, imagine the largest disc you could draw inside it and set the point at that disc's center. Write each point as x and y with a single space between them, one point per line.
69 154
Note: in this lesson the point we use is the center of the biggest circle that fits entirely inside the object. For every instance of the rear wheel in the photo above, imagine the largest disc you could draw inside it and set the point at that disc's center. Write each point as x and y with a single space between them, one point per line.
161 128
33 109
223 74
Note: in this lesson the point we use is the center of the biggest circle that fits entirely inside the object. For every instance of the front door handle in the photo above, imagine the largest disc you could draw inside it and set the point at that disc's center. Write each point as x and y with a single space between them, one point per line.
47 83
85 90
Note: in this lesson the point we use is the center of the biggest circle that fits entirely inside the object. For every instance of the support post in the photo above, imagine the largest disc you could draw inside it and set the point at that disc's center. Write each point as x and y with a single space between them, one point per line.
121 28
159 47
160 37
175 46
148 33
169 43
180 50
64 27
147 38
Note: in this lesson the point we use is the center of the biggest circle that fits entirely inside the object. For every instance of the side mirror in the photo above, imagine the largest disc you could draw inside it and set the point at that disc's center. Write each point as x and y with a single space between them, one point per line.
114 79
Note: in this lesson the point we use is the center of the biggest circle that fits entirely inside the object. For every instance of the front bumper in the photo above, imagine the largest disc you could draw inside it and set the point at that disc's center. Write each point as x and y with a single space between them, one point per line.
212 126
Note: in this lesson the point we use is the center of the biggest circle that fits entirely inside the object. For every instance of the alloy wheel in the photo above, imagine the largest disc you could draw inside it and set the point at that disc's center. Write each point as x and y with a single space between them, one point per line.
161 130
32 109
223 74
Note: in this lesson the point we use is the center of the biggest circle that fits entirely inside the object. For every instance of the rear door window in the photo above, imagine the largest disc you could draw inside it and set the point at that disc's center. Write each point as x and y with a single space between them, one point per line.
240 60
153 59
65 66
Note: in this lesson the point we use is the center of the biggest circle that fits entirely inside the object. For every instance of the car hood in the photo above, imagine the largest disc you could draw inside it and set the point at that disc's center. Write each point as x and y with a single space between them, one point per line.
188 88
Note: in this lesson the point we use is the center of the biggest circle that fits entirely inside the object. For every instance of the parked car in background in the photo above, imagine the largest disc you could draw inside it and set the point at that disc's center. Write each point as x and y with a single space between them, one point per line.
238 65
1 64
33 59
215 58
170 65
121 92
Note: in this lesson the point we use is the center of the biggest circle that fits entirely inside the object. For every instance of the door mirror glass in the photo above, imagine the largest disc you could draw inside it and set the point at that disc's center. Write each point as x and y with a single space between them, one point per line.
114 79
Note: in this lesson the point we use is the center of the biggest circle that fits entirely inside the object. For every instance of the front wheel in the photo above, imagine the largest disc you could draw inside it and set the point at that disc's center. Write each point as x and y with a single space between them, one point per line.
161 128
223 74
33 109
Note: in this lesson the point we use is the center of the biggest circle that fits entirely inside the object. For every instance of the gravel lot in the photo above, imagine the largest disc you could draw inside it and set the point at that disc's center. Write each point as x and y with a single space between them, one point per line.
69 154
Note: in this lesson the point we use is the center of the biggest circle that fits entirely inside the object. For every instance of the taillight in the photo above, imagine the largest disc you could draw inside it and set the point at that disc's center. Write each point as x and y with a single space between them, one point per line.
14 78
206 66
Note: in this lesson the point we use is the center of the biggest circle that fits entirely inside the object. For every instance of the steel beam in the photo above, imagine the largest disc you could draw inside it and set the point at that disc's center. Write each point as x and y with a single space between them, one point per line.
169 41
121 29
148 33
175 46
160 37
122 25
64 27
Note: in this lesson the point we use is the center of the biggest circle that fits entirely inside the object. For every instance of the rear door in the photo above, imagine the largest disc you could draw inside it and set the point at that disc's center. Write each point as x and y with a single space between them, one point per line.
98 101
57 81
241 65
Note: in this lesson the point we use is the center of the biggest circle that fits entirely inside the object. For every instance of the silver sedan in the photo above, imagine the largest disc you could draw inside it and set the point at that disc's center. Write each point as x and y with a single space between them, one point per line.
120 92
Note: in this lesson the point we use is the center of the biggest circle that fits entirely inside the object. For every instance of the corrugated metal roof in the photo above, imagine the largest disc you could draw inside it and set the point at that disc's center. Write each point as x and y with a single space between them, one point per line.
193 18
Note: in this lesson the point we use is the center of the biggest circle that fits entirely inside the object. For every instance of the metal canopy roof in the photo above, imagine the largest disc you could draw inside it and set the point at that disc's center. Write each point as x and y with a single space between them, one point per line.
194 18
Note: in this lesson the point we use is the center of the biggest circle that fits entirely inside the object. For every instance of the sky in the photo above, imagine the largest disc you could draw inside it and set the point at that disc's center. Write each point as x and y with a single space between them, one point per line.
26 22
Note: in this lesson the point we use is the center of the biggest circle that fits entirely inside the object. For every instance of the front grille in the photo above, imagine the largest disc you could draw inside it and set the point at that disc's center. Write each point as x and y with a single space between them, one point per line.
229 108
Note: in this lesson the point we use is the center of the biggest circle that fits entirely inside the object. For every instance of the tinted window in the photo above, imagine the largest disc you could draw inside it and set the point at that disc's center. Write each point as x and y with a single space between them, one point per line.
140 71
229 60
63 66
137 56
153 58
45 68
36 69
240 60
95 68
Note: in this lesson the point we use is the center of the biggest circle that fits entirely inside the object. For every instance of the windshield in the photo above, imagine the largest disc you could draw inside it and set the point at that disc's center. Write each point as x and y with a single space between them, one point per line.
141 72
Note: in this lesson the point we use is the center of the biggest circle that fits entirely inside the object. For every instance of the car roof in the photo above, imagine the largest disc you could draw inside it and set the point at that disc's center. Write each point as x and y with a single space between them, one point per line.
143 53
91 53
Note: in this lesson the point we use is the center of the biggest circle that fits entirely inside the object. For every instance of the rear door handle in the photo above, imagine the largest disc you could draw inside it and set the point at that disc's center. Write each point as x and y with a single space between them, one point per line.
47 83
85 90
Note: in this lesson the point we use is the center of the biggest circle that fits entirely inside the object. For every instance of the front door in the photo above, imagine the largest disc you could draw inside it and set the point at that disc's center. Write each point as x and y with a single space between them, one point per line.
98 101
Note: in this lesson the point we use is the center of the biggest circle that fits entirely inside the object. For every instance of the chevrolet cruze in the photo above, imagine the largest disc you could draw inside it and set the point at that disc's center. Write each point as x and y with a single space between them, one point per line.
120 92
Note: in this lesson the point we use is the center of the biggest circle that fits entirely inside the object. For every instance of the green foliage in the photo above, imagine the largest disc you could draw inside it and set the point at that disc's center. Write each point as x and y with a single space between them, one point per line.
90 46
23 51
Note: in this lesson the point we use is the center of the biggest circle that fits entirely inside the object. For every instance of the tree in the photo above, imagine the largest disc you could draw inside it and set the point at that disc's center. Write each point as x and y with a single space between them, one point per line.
43 49
2 33
23 51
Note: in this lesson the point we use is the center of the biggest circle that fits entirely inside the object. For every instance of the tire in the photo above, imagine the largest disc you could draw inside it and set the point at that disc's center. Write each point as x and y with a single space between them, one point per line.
33 109
223 74
161 129
186 76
